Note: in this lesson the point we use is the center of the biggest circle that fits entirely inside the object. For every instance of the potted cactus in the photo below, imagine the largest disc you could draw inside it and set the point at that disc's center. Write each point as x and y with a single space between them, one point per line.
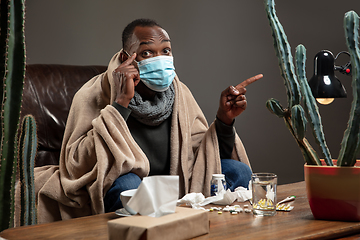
17 152
322 176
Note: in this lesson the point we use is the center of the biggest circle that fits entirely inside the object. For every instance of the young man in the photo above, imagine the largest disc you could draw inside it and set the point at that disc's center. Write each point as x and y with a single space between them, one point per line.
137 119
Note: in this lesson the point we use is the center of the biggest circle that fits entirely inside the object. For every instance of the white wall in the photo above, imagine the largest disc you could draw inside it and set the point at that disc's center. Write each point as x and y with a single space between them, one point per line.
215 44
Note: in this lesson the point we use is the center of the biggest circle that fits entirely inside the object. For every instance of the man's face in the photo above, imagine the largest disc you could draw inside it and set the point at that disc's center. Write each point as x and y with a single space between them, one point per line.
150 42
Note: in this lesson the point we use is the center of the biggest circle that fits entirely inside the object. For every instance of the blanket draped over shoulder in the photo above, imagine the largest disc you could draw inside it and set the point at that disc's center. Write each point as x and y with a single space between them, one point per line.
98 147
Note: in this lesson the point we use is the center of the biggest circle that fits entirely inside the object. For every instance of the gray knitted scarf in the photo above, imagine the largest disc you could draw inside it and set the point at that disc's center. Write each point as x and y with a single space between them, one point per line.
153 113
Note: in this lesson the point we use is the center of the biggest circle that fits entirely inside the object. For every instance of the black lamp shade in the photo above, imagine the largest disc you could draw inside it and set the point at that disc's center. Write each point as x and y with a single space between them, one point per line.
324 83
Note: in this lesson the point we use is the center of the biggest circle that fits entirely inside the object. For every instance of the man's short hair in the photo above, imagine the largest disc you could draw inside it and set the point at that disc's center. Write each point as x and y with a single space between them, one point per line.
129 29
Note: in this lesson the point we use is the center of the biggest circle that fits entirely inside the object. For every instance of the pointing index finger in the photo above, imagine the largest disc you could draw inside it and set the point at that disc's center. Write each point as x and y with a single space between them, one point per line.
130 59
249 81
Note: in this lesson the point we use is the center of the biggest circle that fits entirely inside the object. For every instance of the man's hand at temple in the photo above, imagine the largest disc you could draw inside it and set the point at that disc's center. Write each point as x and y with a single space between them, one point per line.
233 101
126 78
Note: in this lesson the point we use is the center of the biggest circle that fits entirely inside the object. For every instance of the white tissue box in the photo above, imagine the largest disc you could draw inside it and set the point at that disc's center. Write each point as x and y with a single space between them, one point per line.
185 223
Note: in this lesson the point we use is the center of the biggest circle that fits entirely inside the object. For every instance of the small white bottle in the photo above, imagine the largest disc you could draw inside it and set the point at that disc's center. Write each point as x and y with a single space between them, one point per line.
218 183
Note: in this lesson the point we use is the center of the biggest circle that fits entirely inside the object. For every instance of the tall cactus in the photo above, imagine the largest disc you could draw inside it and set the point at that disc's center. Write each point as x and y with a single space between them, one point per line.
351 140
12 71
293 116
27 153
310 104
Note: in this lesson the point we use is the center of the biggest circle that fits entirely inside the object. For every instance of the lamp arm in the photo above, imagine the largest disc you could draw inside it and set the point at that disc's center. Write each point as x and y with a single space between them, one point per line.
346 68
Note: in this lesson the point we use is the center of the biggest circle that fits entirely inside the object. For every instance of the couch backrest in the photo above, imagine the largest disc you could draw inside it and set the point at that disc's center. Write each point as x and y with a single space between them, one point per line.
48 93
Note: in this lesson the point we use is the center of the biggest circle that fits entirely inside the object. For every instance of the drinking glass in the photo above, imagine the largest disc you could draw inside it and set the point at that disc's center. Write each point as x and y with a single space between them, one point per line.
264 193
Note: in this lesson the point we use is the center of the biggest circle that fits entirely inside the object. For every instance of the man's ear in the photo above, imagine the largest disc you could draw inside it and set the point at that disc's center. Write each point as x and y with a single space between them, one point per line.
123 56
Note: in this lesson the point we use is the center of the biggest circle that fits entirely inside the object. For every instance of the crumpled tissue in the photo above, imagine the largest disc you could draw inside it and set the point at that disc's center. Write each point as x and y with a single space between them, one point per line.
156 196
197 200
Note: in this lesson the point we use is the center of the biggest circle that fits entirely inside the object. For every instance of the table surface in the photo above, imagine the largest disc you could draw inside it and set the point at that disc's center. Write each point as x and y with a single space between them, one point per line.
297 224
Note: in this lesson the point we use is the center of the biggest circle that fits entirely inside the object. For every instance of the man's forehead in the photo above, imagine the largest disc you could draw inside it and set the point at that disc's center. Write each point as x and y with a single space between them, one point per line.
148 34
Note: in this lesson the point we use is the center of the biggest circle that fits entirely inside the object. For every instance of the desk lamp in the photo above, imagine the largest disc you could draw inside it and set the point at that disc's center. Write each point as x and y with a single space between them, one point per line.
325 86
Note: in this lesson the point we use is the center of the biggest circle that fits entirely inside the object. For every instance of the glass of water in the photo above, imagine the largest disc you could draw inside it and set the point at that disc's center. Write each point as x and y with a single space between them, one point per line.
264 193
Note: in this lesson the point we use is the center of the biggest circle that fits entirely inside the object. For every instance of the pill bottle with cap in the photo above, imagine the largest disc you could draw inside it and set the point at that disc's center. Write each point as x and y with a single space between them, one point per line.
218 183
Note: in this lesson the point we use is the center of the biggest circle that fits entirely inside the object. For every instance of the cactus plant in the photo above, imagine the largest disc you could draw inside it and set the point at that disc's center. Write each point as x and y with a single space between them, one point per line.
293 115
310 105
351 140
13 73
26 162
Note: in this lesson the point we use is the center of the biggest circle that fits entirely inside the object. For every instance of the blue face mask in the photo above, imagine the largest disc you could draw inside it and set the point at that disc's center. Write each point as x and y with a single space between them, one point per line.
157 73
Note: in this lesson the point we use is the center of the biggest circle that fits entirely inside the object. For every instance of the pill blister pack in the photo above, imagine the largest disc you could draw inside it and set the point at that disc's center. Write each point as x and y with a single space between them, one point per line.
284 207
283 204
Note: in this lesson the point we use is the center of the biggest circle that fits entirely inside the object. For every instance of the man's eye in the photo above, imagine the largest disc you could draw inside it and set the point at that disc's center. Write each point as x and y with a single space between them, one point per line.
167 51
146 54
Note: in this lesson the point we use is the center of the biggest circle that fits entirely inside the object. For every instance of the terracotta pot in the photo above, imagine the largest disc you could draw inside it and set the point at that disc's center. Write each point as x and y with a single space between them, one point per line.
333 192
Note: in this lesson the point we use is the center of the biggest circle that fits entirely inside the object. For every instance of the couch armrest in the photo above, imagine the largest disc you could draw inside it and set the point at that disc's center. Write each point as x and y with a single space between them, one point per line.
48 93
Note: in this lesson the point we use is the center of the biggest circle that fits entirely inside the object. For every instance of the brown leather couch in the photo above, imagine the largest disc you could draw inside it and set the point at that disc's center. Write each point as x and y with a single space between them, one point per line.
48 93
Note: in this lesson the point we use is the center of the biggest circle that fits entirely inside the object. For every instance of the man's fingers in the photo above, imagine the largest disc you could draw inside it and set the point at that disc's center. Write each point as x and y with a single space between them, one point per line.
129 60
127 65
249 81
236 99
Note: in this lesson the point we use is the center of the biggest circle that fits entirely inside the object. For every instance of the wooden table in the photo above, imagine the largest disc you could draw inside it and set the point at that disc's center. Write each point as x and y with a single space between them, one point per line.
297 224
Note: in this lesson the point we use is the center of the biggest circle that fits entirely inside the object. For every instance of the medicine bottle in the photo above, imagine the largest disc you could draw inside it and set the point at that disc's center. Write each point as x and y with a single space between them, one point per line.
218 183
